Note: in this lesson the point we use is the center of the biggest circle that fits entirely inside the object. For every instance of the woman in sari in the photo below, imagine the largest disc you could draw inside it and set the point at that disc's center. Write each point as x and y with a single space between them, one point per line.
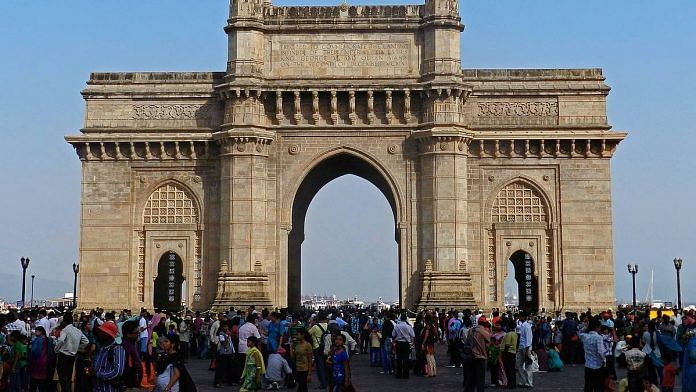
495 357
41 362
430 337
168 365
254 367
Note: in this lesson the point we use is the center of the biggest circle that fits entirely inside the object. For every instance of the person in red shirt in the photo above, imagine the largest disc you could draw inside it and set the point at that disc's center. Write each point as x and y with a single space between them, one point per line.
669 373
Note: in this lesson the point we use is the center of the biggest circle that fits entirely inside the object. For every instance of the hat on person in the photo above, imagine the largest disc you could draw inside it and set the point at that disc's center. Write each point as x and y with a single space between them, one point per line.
109 328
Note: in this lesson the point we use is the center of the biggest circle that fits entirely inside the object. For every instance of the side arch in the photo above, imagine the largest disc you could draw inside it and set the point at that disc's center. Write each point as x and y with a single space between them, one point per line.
513 218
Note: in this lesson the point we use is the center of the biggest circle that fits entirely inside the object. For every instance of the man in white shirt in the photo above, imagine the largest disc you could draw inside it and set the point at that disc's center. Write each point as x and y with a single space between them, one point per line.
43 321
524 328
247 330
16 324
403 335
144 334
71 341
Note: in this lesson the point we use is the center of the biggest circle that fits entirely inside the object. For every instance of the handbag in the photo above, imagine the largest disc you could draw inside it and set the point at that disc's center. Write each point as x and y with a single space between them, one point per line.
348 388
657 361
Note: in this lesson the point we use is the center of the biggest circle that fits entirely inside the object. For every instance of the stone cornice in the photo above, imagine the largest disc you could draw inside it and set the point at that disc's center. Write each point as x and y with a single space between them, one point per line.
545 146
140 148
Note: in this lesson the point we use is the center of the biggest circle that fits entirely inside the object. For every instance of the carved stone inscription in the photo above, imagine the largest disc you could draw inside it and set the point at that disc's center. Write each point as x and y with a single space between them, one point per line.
342 57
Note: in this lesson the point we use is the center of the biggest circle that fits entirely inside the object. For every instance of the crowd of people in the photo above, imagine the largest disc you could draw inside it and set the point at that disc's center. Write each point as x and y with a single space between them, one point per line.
47 350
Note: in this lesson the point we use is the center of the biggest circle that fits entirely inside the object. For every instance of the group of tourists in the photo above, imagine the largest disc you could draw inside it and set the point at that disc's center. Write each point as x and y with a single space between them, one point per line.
47 350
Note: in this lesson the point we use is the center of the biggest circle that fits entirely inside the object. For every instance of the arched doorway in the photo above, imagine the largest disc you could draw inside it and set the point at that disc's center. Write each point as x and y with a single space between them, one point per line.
527 281
328 170
169 282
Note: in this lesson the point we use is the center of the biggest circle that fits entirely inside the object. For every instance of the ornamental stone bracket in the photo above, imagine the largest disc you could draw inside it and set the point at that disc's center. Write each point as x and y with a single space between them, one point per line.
443 141
244 142
592 146
110 149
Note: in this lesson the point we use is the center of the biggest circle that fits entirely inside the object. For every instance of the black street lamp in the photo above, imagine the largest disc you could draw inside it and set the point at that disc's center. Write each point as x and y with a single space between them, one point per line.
633 270
678 266
31 302
25 264
76 270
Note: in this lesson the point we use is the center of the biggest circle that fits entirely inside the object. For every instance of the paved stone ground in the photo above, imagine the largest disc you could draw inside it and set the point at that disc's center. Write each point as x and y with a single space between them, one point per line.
366 378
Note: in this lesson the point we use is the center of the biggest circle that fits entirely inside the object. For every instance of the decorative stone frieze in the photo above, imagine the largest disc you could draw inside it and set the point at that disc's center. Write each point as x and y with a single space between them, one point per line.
170 111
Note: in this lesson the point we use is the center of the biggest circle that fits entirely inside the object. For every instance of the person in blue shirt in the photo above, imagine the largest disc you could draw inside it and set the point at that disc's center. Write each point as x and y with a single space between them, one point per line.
595 359
275 331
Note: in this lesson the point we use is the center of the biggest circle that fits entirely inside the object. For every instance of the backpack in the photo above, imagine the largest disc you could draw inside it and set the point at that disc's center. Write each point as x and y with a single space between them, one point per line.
466 348
322 345
454 328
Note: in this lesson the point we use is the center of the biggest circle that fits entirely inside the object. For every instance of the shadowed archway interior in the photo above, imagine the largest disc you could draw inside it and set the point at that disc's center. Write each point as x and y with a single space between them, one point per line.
527 281
328 170
169 282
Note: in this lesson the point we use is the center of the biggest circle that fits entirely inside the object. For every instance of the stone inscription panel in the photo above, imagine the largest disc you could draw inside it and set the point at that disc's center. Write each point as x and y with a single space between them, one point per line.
340 58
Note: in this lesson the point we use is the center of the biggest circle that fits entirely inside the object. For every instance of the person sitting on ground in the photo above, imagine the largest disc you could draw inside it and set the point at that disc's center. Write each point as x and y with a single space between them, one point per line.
277 369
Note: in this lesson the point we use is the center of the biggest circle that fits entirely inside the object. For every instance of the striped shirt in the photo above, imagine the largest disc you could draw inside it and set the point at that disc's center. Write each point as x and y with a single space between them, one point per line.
109 364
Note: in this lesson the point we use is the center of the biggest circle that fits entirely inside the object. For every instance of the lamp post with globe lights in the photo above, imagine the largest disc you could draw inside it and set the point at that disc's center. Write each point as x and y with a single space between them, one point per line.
678 267
24 261
76 270
633 270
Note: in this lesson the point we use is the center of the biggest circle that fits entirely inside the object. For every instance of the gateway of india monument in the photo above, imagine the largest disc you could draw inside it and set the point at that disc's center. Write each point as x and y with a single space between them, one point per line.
195 185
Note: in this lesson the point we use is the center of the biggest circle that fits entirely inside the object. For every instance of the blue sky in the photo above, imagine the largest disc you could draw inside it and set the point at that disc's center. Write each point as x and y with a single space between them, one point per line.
647 50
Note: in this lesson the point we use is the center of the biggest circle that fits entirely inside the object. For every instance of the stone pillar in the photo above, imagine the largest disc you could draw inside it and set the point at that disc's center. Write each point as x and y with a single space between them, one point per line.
244 235
443 204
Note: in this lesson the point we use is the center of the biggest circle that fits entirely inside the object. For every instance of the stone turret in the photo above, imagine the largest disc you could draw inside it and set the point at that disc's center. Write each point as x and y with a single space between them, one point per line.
442 7
246 45
247 8
442 28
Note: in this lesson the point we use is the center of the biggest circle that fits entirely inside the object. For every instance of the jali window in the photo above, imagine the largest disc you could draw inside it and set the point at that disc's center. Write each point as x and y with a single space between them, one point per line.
518 202
170 204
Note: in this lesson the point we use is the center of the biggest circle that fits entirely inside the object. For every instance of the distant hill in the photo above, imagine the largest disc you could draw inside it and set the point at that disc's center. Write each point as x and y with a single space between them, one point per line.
11 288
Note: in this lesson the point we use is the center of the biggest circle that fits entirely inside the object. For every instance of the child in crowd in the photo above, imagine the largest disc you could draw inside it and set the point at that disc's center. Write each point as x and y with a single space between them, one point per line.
669 373
19 378
375 347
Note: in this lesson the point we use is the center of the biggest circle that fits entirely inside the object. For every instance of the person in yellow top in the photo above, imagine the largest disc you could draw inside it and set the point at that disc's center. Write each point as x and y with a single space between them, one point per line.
301 353
254 367
375 348
509 349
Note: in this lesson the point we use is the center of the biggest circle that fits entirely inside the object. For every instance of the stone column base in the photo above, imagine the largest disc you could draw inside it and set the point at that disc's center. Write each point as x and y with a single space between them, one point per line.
242 289
446 290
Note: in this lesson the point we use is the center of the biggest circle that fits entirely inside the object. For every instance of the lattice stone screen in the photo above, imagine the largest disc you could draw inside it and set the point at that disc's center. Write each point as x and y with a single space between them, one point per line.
170 204
518 202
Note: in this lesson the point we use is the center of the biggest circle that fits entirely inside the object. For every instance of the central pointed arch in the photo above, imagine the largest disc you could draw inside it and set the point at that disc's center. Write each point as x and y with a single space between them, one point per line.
324 169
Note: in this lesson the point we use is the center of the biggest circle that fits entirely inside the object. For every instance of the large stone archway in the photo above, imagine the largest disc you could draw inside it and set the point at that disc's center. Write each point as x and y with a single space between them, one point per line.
329 167
311 93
